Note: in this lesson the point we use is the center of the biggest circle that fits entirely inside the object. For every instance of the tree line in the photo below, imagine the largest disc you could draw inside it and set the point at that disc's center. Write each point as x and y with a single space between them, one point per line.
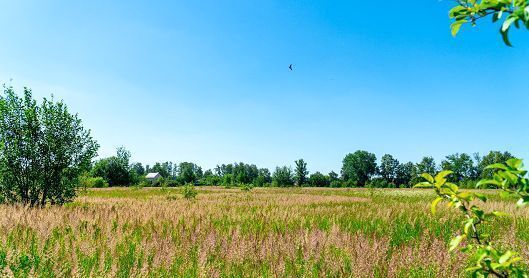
359 169
46 155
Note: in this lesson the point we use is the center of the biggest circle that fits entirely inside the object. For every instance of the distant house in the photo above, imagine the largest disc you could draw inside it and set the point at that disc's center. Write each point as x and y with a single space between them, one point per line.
153 177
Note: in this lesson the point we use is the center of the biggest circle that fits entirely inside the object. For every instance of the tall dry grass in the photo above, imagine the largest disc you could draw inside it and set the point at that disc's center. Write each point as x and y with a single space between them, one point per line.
227 232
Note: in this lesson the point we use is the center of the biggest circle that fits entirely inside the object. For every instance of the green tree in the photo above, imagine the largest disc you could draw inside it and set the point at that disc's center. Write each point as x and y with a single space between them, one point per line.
301 172
388 168
493 157
138 169
165 169
510 12
333 176
115 169
427 165
282 176
43 150
461 165
319 180
359 167
189 172
404 174
263 178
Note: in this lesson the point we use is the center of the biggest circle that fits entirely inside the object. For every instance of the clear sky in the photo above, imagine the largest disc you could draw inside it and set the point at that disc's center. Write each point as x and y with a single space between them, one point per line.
208 81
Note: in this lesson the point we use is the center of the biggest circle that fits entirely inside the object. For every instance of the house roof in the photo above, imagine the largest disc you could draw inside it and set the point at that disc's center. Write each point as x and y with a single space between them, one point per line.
152 175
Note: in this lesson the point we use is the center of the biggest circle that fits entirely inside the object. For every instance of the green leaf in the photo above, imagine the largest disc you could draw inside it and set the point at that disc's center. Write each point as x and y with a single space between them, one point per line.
523 201
454 243
497 16
497 166
507 23
456 26
505 37
423 185
480 196
488 182
434 204
514 163
505 257
441 176
427 177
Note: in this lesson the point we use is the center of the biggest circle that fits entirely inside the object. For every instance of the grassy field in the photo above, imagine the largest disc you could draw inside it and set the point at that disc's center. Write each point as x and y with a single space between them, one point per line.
271 232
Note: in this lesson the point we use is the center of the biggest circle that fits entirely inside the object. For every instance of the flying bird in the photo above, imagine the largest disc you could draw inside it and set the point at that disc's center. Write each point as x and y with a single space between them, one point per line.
290 67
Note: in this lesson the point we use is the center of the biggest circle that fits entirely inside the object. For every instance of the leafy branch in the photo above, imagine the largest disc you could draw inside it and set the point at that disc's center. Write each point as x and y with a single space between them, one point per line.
515 12
511 178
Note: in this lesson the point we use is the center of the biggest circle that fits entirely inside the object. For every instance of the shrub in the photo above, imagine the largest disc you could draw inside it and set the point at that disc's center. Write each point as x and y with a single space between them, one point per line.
91 182
380 183
337 184
171 183
246 187
189 192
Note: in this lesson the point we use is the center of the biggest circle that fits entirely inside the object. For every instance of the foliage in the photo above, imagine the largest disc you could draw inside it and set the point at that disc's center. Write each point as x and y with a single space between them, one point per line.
43 150
511 12
115 169
92 182
388 168
189 172
319 180
283 177
359 167
380 183
189 192
461 165
246 187
165 169
301 172
489 259
492 157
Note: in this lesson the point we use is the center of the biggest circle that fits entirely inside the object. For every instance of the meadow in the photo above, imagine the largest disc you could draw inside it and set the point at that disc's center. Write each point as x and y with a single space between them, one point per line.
266 232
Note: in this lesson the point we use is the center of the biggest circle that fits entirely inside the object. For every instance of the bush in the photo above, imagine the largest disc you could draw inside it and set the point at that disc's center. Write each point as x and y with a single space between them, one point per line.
171 183
380 183
90 182
337 184
246 187
189 192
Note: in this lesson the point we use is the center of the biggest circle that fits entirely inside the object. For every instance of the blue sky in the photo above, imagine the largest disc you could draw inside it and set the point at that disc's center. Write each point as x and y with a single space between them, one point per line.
208 81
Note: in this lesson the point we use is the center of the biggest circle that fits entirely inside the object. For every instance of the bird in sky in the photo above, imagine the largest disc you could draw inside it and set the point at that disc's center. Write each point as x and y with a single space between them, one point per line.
290 67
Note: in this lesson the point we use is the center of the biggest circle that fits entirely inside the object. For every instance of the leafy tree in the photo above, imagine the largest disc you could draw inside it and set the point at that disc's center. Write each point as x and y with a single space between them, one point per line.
461 165
228 180
283 176
493 157
319 180
333 176
43 150
265 173
359 167
404 174
138 169
427 165
300 176
189 172
511 12
263 178
244 173
224 169
115 170
209 178
165 169
388 168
